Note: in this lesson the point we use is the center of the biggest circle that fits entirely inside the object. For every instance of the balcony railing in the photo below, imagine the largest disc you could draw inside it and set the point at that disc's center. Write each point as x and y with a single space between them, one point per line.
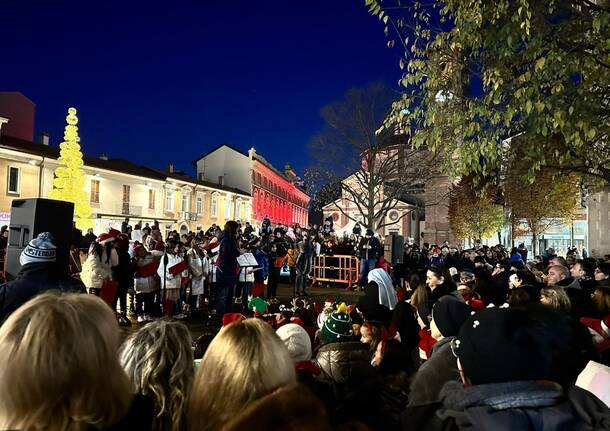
190 216
127 209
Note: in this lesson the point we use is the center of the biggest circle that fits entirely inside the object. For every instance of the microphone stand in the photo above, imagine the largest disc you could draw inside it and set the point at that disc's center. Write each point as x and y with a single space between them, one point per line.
163 294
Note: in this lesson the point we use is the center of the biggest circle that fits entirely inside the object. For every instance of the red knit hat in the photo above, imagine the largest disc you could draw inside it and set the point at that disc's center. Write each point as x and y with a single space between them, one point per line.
229 318
114 233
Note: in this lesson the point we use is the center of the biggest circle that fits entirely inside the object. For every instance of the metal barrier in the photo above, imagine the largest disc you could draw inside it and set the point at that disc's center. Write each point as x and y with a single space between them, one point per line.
336 269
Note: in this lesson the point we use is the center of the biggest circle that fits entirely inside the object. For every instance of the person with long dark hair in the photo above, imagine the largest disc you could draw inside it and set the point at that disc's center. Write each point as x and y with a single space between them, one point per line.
97 269
439 283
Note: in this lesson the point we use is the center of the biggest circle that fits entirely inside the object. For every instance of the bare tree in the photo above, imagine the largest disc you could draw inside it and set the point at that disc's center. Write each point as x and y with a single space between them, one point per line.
378 168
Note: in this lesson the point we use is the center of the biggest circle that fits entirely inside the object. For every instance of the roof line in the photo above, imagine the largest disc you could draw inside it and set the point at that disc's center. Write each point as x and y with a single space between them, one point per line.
194 162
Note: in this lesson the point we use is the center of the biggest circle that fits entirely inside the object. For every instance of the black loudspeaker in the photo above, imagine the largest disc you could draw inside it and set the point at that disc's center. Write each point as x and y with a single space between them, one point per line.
29 217
394 249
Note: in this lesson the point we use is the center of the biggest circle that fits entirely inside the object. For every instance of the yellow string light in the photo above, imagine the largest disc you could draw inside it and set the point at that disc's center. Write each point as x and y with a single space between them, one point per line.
69 182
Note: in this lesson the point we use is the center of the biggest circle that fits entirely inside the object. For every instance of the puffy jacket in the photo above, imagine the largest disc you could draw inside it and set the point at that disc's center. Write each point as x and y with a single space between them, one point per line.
344 362
354 384
33 279
291 257
96 271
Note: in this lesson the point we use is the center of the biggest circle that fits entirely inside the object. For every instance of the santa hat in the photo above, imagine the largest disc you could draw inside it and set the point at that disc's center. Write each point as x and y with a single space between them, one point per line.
229 318
296 340
114 233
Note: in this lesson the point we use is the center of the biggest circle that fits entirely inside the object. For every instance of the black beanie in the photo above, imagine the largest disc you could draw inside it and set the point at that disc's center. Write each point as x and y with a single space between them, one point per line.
449 314
504 345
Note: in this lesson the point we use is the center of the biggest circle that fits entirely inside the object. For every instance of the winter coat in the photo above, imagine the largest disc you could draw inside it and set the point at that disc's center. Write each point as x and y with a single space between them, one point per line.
96 271
144 280
195 263
228 254
33 279
368 248
172 281
436 261
433 374
303 261
346 370
291 257
344 362
527 406
288 408
263 263
122 273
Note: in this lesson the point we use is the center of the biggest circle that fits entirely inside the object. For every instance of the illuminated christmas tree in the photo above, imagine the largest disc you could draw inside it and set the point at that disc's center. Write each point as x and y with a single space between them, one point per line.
69 182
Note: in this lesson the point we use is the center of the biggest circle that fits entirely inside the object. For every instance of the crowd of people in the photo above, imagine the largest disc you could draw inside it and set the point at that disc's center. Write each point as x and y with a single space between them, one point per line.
450 339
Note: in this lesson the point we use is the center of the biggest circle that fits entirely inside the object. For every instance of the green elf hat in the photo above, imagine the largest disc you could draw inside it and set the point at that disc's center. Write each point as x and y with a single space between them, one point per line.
258 305
338 326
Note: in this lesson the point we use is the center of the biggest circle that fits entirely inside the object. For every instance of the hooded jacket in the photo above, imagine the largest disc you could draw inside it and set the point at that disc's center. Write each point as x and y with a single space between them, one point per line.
33 279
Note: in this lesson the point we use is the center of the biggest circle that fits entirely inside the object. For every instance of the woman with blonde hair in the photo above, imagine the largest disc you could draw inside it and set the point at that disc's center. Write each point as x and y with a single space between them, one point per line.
159 361
247 380
59 368
557 298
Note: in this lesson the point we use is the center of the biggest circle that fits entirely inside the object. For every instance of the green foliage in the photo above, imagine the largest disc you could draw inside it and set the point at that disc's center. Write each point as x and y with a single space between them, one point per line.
536 206
542 68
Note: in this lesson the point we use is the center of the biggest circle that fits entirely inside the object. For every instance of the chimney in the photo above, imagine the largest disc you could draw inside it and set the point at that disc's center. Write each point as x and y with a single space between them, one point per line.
288 171
170 168
2 121
44 138
103 156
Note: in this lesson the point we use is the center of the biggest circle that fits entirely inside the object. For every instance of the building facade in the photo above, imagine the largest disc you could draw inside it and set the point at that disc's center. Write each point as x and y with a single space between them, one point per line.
274 194
598 223
119 189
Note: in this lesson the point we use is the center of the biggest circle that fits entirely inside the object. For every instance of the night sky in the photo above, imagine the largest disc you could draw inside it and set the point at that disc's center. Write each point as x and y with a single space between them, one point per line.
164 84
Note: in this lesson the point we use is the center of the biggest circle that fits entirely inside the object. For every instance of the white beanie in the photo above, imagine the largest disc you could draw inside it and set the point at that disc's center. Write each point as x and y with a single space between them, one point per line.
296 340
40 249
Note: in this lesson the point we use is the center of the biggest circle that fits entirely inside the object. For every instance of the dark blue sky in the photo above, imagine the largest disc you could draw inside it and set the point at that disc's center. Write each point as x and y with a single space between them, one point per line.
161 84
